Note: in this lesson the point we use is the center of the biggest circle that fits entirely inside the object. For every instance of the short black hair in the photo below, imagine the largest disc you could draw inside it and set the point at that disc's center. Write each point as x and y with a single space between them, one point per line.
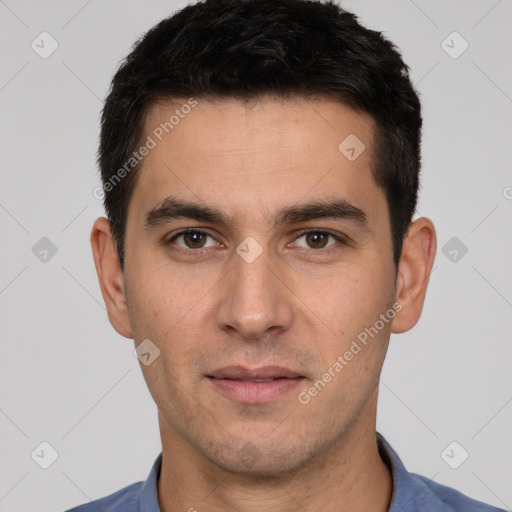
248 49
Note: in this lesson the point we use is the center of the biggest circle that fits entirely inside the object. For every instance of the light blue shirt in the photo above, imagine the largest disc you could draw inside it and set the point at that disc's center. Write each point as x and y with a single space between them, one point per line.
411 492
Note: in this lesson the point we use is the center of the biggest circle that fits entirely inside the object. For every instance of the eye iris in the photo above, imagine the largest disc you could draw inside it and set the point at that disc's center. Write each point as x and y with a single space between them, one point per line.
194 239
317 240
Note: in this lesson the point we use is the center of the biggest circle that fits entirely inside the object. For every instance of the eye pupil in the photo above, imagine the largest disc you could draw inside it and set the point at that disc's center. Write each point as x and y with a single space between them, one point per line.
194 239
197 239
317 240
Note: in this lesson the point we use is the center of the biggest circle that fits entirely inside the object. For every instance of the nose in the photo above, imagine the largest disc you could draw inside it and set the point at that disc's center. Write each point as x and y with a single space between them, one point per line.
254 299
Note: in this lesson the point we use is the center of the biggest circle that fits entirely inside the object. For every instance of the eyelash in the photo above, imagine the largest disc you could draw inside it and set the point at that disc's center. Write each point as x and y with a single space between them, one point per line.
199 252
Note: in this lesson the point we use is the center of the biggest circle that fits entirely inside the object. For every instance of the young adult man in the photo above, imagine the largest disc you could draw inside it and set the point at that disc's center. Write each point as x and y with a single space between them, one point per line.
260 161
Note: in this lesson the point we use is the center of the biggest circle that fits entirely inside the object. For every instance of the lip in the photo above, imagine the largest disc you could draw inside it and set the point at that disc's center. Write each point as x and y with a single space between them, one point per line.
264 372
240 384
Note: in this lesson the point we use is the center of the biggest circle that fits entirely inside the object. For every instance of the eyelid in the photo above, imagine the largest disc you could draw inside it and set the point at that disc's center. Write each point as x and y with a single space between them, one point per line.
186 231
339 237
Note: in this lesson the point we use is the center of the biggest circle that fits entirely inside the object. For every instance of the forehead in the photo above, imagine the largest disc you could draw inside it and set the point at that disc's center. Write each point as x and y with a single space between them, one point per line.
229 125
259 154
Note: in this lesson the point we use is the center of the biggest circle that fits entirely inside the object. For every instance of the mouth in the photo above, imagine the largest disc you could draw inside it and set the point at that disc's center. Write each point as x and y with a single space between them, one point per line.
254 386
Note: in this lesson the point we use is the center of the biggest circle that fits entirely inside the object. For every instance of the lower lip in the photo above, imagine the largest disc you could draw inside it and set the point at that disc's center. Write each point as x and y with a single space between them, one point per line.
255 392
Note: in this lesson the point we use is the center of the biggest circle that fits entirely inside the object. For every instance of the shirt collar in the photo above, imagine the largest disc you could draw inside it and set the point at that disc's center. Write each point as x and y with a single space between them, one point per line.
410 493
148 498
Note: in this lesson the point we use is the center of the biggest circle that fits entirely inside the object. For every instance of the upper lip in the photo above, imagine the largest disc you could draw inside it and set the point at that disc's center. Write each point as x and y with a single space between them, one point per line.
264 372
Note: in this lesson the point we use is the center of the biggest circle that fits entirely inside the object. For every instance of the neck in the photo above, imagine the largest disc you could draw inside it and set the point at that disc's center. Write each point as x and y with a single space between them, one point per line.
348 475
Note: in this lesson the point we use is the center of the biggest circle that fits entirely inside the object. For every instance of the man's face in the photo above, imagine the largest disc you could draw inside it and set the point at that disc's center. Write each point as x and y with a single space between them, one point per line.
266 282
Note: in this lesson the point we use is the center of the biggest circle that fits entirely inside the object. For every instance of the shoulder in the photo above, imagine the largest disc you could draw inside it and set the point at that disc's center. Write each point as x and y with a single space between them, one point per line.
416 493
125 500
454 500
137 497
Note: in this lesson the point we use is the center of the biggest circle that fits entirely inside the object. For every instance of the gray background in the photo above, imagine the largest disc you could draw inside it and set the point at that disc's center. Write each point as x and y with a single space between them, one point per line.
69 379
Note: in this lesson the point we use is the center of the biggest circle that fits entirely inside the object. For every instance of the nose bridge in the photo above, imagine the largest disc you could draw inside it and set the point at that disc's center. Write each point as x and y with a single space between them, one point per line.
253 299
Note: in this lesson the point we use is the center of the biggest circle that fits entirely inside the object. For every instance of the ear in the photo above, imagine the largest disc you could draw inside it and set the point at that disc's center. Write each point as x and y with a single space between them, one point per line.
110 276
418 253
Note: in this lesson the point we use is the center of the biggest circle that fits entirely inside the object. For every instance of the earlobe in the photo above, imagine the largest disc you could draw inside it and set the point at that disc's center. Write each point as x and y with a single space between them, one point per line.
418 253
110 276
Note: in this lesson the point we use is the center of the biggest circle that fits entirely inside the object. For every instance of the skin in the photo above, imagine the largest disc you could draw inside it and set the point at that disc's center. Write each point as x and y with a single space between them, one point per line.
299 304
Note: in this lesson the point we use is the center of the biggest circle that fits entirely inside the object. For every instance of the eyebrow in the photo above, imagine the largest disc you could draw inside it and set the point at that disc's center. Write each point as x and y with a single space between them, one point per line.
172 208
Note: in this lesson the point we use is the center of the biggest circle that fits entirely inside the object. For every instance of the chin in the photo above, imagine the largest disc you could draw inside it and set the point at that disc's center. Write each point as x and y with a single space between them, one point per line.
259 459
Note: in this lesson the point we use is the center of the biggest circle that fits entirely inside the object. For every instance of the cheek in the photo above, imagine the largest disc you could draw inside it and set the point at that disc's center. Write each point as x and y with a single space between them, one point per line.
163 294
345 300
172 308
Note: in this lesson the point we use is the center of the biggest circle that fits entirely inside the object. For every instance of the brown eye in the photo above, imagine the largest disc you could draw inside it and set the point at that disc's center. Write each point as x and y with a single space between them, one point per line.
317 240
193 239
